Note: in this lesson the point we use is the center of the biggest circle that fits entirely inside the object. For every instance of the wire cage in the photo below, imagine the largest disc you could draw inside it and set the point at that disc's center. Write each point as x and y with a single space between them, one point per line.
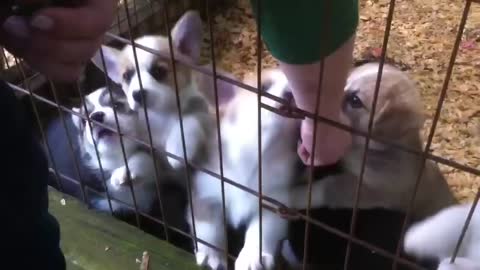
47 100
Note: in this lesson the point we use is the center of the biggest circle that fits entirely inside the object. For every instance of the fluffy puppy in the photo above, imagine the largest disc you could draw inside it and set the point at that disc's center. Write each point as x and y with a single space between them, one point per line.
390 173
141 168
149 81
239 130
142 175
436 237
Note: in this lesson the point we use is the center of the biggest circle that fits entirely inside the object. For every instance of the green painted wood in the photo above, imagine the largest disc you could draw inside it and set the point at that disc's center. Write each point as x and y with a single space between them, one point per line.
86 234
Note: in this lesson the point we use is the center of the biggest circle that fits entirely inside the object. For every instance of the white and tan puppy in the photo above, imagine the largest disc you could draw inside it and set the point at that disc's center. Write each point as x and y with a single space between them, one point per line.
100 107
239 131
390 173
437 236
153 85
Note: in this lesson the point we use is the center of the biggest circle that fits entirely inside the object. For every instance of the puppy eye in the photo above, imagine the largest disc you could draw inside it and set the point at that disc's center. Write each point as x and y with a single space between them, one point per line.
128 75
354 101
117 105
158 72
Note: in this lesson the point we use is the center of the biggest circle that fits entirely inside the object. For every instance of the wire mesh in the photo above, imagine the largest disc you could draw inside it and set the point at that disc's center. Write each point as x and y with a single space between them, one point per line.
217 119
265 203
370 127
259 128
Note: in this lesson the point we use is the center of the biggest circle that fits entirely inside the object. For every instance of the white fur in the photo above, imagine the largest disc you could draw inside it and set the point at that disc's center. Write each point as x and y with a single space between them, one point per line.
140 163
239 131
161 100
437 236
459 264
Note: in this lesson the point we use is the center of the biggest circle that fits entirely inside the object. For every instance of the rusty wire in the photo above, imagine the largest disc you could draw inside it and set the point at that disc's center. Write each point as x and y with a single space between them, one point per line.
179 109
39 123
259 125
219 135
370 127
299 113
295 112
326 31
70 145
150 140
436 118
465 226
278 206
100 166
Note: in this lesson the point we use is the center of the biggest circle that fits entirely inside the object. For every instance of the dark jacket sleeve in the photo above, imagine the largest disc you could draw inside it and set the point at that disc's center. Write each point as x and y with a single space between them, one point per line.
30 236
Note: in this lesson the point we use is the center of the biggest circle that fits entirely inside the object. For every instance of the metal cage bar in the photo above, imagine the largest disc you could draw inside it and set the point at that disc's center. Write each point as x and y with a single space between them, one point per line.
436 117
326 30
259 126
150 141
296 112
217 119
39 123
264 201
102 172
180 116
370 127
465 226
70 145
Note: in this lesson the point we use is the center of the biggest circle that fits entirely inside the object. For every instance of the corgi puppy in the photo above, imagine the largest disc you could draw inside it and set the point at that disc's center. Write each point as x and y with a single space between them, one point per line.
390 173
437 236
239 131
141 169
149 82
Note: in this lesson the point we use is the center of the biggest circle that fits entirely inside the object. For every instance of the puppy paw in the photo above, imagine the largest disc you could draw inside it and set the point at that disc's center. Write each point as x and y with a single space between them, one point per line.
249 259
120 177
210 258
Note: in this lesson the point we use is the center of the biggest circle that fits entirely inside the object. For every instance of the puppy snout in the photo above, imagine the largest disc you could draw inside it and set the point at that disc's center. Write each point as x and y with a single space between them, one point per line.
98 116
138 96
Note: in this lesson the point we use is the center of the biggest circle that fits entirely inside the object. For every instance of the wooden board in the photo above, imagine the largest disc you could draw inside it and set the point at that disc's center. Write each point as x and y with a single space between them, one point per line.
96 241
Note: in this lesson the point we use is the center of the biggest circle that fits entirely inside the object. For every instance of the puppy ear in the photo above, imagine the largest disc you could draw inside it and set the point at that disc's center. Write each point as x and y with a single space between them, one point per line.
187 35
111 58
395 121
77 121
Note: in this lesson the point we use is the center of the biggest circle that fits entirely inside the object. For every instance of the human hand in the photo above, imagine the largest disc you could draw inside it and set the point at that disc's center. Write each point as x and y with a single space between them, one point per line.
59 41
331 142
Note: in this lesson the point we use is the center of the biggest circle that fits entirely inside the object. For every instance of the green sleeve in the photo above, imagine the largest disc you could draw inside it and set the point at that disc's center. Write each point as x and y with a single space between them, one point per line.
304 31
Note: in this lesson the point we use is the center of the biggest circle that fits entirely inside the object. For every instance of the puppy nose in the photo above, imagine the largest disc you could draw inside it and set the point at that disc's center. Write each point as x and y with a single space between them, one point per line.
98 116
138 96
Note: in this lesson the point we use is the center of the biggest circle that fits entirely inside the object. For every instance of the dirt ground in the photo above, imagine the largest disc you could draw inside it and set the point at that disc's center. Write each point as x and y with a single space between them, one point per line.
422 37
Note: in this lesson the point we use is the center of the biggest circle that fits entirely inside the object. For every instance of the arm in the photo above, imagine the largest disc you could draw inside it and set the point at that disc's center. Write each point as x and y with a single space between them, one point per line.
299 36
57 43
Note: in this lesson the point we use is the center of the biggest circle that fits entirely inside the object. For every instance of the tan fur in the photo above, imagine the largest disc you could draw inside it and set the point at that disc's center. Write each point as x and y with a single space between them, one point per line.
398 119
398 111
390 173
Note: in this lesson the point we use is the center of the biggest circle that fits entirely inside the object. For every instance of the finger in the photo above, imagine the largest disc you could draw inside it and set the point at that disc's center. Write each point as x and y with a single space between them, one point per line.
64 51
84 22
